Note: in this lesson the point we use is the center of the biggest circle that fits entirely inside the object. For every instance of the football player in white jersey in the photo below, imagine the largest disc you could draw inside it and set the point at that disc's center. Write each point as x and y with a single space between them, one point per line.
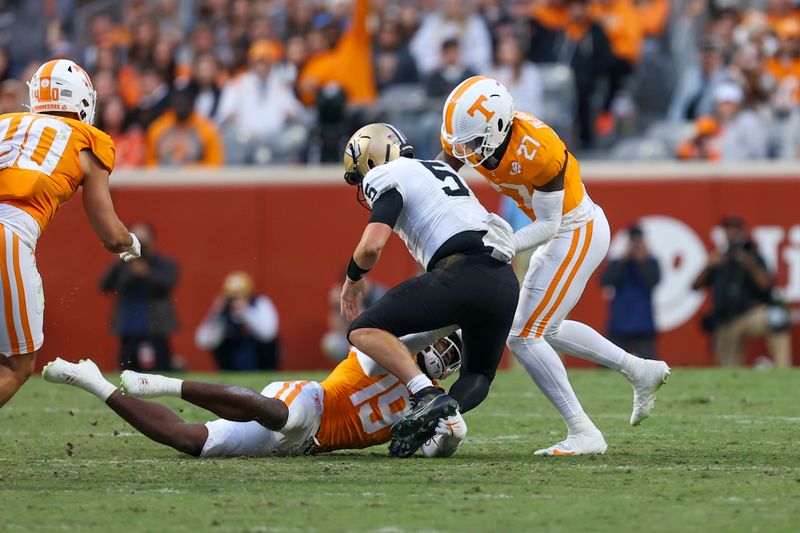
465 251
352 408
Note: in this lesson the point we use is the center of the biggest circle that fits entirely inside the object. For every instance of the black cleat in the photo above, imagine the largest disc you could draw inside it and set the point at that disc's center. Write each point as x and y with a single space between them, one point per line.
420 424
407 447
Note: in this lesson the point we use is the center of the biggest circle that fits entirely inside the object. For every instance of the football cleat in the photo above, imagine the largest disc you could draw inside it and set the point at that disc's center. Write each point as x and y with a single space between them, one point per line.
79 374
578 444
405 447
420 423
646 382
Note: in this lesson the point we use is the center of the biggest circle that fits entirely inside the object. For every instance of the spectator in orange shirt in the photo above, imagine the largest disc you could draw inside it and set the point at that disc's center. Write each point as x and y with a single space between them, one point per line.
348 64
704 145
128 138
182 137
609 48
784 66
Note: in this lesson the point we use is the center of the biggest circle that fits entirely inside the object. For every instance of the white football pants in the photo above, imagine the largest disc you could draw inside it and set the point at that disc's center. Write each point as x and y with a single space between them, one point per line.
556 278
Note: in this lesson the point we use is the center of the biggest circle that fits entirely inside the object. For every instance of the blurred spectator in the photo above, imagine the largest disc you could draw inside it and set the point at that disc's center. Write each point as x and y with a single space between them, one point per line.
143 316
181 136
451 72
742 306
5 65
704 144
734 134
241 328
455 19
392 60
632 279
154 97
519 75
348 64
129 140
654 15
204 85
334 343
548 24
608 45
13 97
255 109
694 94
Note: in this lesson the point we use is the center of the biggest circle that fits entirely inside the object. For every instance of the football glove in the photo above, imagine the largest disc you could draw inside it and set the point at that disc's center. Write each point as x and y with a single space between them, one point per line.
450 432
134 251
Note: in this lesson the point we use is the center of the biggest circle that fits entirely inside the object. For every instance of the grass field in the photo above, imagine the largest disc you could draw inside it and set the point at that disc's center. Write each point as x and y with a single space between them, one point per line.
720 454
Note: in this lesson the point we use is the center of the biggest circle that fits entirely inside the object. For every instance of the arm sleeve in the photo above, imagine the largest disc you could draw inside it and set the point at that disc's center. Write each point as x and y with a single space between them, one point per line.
387 207
262 319
102 146
415 342
548 208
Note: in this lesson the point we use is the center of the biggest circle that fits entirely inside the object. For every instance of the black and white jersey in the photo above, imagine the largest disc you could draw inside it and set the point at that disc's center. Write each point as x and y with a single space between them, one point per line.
437 204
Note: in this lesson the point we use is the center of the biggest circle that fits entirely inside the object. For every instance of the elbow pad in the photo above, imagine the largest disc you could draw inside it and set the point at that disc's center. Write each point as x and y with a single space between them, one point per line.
548 208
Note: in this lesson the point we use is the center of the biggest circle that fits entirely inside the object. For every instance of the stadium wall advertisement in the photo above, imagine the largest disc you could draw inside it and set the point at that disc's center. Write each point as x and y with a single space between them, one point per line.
294 228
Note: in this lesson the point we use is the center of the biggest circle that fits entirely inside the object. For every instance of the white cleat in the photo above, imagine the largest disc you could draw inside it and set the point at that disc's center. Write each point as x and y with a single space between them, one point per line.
139 385
578 444
646 382
80 374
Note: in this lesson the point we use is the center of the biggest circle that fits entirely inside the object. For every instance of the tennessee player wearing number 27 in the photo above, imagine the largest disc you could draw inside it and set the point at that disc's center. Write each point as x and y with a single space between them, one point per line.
45 156
523 158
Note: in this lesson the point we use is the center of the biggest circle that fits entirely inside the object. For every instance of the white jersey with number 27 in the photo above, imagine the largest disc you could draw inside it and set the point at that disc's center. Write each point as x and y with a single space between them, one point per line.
437 204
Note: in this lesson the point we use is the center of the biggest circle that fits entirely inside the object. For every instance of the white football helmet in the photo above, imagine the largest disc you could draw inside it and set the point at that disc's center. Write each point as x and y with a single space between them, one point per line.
442 358
476 119
62 85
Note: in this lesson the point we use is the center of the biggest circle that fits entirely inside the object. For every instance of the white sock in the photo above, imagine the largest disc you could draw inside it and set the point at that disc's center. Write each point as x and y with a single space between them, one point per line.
575 338
418 383
165 386
102 388
545 367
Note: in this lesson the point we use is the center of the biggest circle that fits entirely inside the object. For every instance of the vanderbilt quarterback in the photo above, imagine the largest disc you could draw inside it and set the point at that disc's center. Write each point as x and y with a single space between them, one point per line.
465 251
353 408
522 157
47 154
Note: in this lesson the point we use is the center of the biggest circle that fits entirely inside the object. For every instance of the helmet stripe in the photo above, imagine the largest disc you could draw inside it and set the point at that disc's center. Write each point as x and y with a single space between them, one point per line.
397 132
46 88
452 100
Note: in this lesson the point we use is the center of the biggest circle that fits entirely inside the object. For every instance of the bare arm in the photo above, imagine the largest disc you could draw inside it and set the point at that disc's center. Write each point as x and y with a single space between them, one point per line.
366 257
369 249
99 207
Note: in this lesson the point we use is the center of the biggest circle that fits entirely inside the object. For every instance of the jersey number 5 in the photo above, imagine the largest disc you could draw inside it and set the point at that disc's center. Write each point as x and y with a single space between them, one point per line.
445 174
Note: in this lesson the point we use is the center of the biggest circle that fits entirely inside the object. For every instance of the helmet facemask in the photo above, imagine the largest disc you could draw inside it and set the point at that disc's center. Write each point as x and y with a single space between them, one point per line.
442 358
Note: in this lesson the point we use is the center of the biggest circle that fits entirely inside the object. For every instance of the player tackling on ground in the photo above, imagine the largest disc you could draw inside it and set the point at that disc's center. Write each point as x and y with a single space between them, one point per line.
468 280
353 408
45 155
523 158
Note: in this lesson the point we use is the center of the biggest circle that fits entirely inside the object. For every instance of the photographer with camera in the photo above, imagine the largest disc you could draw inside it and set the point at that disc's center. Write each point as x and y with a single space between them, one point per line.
241 328
743 306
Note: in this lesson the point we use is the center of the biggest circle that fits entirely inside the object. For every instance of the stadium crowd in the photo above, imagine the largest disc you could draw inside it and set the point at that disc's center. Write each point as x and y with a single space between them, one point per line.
207 82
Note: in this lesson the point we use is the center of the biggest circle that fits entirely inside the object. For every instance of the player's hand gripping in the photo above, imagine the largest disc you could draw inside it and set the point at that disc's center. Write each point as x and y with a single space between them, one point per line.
134 251
350 300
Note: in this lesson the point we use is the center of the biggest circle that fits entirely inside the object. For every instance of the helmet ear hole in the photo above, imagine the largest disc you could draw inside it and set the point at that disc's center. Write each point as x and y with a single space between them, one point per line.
500 124
370 163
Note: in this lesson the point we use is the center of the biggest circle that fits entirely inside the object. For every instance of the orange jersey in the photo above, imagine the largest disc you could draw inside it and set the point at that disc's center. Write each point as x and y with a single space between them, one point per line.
535 156
359 407
47 171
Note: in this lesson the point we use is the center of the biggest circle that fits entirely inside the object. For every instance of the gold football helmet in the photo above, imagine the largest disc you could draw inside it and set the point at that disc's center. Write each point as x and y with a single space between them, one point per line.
372 146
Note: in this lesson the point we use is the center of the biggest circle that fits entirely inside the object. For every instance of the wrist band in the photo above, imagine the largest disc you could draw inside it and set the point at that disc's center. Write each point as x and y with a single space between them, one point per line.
355 272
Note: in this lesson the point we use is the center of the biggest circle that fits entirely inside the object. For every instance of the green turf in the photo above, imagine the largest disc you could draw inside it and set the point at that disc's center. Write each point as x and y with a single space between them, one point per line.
719 454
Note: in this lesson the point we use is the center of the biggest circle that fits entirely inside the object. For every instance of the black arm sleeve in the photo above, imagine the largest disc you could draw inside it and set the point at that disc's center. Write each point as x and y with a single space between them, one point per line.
387 207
